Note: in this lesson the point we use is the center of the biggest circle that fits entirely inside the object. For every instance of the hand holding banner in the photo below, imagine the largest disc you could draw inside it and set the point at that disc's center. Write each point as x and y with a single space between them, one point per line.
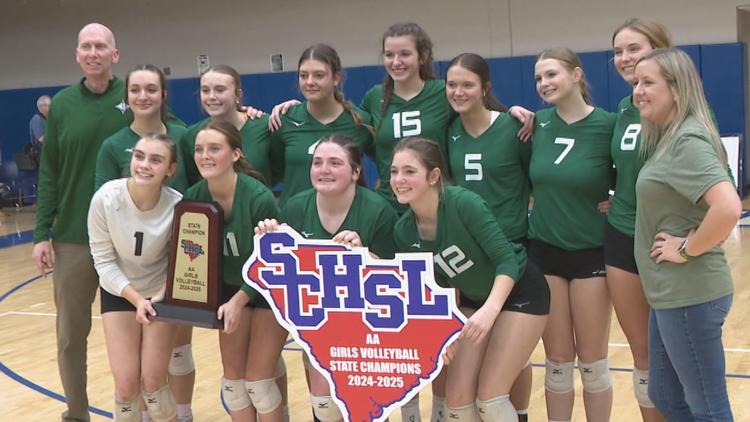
376 329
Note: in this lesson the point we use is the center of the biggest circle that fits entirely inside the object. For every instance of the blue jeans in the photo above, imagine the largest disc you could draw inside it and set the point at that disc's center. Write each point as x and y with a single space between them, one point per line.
686 362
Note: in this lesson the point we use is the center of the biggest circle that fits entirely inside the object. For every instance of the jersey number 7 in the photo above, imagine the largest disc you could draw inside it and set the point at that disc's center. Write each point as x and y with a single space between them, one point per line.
568 142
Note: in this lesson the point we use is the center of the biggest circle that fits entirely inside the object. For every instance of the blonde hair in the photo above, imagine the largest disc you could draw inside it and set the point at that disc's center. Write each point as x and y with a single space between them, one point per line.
569 60
657 34
678 70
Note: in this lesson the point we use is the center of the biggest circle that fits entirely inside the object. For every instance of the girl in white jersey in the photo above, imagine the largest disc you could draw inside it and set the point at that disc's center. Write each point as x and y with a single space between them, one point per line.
131 260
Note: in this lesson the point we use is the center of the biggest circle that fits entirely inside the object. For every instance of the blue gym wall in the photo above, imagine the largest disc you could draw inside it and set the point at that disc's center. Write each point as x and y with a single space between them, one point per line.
721 67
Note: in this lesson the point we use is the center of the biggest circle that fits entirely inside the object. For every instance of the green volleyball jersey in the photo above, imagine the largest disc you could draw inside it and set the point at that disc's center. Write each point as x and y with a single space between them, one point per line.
256 143
496 166
78 122
469 249
294 142
113 161
624 150
253 201
427 115
571 172
369 215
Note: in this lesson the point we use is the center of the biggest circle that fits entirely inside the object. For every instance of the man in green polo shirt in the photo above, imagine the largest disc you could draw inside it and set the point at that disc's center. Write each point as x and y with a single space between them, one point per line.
80 118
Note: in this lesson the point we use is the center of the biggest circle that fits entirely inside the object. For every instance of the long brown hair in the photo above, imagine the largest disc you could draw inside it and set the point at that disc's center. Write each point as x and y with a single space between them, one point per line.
423 45
353 152
234 139
162 84
327 55
428 153
225 69
477 65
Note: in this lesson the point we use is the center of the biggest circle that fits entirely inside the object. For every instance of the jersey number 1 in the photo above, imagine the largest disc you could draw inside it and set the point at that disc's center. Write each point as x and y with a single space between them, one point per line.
138 243
406 119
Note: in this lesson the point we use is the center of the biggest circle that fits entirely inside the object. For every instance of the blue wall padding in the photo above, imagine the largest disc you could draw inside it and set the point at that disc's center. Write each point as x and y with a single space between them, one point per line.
721 66
184 99
359 80
505 73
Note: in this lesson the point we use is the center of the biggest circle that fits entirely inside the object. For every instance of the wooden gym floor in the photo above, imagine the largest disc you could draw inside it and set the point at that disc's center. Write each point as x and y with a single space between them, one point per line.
31 387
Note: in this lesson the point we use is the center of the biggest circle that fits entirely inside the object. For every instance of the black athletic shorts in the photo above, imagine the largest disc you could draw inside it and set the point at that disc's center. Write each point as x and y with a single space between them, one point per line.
530 295
618 250
112 303
584 263
228 290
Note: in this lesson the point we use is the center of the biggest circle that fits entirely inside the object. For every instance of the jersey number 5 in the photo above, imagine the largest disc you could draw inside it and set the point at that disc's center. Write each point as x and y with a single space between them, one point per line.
406 123
456 261
568 142
473 163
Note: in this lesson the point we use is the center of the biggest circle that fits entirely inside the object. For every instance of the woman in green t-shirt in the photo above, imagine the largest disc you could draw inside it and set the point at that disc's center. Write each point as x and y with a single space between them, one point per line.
686 207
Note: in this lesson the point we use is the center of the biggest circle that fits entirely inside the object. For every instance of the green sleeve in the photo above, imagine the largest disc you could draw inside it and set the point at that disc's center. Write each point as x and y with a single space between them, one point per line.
106 166
276 152
187 151
484 228
524 153
696 168
291 212
365 103
384 245
47 194
263 206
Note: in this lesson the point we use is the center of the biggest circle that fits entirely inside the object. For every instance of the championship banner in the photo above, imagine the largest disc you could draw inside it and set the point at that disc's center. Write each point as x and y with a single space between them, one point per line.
376 329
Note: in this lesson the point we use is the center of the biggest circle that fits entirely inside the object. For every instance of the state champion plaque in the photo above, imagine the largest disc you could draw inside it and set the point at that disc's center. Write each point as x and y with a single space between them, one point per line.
194 277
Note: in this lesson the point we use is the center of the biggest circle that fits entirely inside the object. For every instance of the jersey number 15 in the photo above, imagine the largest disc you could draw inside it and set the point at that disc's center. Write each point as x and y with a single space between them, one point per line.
406 123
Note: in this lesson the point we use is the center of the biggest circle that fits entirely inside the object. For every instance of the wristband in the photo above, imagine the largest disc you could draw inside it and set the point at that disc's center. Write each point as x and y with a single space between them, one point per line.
683 252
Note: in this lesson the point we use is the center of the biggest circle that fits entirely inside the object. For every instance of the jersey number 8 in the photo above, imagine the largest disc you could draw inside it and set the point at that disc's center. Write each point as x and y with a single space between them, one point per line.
630 137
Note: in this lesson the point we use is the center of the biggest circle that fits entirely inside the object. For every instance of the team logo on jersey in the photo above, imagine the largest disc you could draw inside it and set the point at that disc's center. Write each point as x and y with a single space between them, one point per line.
360 320
543 124
455 137
306 234
122 106
298 124
191 249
